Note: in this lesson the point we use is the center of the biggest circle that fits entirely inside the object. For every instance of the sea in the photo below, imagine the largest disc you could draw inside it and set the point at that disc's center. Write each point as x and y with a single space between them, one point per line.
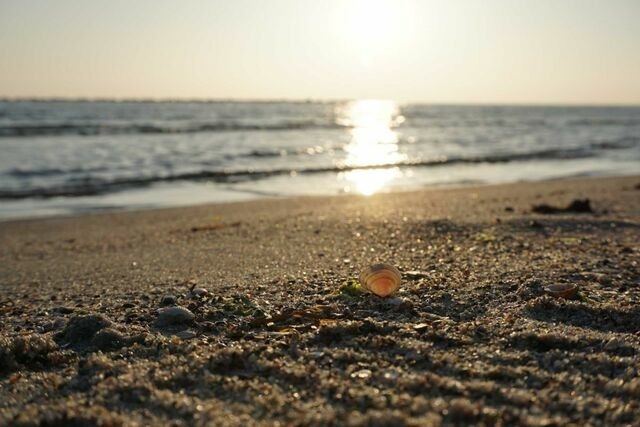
70 157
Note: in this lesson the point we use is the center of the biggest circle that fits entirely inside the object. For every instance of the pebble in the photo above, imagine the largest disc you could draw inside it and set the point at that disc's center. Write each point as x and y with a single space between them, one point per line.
174 316
109 339
168 300
421 327
62 310
613 344
186 334
399 303
199 293
362 373
391 375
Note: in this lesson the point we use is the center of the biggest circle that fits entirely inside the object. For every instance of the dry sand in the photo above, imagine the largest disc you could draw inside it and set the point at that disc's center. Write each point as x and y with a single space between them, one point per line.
269 339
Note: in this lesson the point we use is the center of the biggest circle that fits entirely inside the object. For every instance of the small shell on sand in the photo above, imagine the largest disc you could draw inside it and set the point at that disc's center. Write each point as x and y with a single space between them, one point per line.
562 290
381 279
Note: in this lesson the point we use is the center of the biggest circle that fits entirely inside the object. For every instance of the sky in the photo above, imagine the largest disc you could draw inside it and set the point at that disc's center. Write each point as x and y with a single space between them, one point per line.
432 51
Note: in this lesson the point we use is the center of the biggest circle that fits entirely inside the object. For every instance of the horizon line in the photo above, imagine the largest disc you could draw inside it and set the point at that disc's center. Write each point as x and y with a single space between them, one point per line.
302 101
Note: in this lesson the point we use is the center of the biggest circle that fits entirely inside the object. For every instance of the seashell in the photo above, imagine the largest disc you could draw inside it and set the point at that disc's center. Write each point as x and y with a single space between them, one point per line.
381 279
562 290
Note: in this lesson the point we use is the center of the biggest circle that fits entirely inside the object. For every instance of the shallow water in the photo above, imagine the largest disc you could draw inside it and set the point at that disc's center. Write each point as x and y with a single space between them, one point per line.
68 157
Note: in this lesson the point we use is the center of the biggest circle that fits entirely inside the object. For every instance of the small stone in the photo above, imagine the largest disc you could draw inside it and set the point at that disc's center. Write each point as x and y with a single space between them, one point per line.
399 303
109 339
420 327
613 344
395 301
168 300
174 316
199 293
391 375
362 373
62 310
186 334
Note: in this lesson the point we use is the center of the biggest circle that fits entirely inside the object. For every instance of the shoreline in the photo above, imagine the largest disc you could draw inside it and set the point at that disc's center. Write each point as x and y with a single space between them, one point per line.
271 335
398 190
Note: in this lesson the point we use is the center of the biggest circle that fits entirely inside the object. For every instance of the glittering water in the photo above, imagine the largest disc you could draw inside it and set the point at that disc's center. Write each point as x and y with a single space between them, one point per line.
61 157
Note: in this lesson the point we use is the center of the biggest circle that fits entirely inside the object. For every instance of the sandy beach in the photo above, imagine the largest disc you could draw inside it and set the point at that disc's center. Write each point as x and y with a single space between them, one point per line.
237 314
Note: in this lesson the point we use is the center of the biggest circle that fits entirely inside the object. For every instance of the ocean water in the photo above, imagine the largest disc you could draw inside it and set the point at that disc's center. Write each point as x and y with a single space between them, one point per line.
68 157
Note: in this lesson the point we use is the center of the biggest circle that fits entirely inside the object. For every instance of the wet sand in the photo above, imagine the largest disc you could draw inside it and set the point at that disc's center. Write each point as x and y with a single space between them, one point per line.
92 330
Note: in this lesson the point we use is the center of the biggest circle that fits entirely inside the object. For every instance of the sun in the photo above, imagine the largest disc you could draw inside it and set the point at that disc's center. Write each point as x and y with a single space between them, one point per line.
371 25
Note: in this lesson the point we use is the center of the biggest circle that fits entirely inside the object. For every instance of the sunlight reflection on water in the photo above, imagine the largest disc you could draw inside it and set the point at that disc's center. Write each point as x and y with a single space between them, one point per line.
373 142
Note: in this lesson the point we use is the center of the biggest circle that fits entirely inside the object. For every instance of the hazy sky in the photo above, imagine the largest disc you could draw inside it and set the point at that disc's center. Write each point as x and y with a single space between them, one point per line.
487 51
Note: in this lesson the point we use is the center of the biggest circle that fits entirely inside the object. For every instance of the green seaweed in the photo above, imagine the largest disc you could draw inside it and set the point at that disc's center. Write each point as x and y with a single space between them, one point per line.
350 288
583 298
485 237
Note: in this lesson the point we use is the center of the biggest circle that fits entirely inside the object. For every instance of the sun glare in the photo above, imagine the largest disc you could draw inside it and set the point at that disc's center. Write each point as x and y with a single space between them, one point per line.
371 20
371 26
373 142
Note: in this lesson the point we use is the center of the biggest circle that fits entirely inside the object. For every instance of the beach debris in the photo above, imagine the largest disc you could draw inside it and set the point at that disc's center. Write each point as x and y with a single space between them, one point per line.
175 315
415 274
419 327
214 226
239 305
210 227
568 240
82 328
168 300
576 206
484 237
561 290
381 279
350 288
